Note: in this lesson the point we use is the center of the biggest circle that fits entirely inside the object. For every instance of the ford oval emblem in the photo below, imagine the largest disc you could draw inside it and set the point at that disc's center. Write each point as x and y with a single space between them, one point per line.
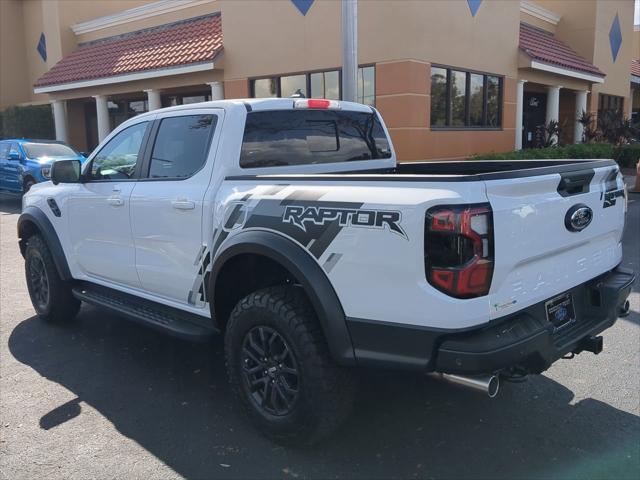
578 218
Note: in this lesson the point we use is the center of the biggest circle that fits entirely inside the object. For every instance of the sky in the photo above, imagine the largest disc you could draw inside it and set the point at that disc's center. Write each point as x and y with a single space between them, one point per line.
636 16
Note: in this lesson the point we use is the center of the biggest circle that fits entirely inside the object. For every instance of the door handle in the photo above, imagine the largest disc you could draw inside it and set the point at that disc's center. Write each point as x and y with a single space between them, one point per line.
115 201
183 204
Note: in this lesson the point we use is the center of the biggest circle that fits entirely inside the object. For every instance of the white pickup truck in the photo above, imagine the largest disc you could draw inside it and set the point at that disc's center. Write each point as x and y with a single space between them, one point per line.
287 226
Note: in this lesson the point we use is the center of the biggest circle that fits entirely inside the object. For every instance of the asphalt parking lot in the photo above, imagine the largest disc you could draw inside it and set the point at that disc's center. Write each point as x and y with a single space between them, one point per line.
106 398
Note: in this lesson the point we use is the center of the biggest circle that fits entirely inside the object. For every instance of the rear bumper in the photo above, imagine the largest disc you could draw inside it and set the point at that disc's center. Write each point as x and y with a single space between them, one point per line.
525 340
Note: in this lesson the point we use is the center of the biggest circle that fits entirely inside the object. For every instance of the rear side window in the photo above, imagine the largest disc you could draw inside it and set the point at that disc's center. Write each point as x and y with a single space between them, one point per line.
304 137
181 146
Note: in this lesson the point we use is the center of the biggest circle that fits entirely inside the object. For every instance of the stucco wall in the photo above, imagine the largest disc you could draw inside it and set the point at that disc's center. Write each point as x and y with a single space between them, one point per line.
14 69
585 26
576 25
617 80
262 38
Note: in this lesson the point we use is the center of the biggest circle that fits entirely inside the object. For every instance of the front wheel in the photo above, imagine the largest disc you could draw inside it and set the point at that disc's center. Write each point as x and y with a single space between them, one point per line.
50 295
280 368
27 185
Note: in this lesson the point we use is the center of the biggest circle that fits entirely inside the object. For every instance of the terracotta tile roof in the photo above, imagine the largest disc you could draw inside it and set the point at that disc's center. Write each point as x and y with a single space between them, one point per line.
635 68
545 47
191 41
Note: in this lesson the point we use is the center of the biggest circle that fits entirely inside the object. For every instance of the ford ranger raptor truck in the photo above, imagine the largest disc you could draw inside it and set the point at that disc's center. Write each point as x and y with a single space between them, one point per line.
287 226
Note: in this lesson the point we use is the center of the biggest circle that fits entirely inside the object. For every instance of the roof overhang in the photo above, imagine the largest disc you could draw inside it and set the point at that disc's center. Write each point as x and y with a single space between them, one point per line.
130 77
537 11
547 67
159 7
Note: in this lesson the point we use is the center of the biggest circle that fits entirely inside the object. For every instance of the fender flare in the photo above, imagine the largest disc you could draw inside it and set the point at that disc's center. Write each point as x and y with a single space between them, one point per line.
40 220
297 261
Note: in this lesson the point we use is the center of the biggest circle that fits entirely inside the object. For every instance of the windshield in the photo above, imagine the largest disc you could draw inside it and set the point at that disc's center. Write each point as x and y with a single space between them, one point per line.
39 150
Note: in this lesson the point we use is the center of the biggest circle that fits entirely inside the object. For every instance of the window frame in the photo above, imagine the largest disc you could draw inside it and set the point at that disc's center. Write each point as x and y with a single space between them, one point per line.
88 165
308 74
467 114
151 141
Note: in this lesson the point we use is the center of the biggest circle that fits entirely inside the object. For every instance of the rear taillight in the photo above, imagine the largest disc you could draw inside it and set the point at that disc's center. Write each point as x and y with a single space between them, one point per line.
459 249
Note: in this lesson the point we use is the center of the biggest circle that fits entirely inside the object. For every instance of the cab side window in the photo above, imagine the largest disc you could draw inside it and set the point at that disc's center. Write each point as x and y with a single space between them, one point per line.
181 146
117 160
4 150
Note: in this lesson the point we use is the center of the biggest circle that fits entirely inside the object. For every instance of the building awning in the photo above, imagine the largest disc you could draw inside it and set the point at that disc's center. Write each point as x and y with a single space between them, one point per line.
180 47
635 72
550 54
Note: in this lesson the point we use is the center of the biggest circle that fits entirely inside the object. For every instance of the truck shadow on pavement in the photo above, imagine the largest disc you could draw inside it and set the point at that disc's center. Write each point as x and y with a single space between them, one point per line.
9 205
172 398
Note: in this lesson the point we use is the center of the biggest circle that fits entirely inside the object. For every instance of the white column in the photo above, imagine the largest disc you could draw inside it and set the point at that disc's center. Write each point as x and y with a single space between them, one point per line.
553 103
519 112
217 90
60 119
153 96
581 106
102 113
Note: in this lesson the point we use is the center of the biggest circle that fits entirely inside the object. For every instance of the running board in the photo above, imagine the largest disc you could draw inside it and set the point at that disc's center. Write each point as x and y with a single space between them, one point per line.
161 317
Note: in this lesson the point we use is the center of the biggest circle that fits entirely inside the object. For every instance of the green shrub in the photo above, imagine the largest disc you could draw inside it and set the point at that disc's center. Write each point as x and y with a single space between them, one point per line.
627 156
32 121
582 150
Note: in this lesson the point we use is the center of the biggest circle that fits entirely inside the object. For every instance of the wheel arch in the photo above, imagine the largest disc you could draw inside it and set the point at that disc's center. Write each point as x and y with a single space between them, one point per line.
26 177
33 221
296 262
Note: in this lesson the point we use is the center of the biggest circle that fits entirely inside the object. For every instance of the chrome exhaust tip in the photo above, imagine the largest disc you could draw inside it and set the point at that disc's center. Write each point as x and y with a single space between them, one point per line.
489 384
624 309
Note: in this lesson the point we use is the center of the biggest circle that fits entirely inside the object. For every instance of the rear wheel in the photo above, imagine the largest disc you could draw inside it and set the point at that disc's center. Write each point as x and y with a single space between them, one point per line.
50 295
280 368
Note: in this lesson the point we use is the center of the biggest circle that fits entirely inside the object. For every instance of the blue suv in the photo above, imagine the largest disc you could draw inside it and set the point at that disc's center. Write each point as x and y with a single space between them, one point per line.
24 162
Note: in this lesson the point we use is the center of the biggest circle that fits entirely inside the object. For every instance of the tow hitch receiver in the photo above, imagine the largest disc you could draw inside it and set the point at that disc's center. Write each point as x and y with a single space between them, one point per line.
590 344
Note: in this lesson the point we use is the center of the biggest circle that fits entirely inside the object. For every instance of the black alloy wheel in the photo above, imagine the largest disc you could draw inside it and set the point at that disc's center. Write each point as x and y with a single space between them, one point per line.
51 297
39 282
270 371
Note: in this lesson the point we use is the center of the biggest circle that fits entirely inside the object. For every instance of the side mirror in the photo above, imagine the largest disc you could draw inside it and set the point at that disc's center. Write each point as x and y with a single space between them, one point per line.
65 171
15 156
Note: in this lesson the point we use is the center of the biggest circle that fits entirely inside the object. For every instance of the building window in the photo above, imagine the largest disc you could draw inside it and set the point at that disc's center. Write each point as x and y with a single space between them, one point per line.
294 86
438 97
367 85
461 99
185 99
326 84
265 88
609 108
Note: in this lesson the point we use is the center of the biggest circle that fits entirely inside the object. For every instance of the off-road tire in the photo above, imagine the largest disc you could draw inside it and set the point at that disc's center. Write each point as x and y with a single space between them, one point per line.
325 390
27 185
58 305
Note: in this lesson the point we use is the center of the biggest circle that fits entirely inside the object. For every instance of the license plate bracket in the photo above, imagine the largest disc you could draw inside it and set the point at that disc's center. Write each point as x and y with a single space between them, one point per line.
560 311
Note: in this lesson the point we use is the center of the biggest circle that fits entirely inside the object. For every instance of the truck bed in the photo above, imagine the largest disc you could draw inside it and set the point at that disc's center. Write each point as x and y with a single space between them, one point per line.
447 171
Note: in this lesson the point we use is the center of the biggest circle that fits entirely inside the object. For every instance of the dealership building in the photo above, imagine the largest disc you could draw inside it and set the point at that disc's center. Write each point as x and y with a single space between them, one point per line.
451 78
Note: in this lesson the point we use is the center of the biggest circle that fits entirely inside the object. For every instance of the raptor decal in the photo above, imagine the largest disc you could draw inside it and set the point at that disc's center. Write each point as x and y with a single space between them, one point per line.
346 217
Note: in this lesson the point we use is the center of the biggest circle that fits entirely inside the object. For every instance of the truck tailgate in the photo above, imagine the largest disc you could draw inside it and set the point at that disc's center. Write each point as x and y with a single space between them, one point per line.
537 255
